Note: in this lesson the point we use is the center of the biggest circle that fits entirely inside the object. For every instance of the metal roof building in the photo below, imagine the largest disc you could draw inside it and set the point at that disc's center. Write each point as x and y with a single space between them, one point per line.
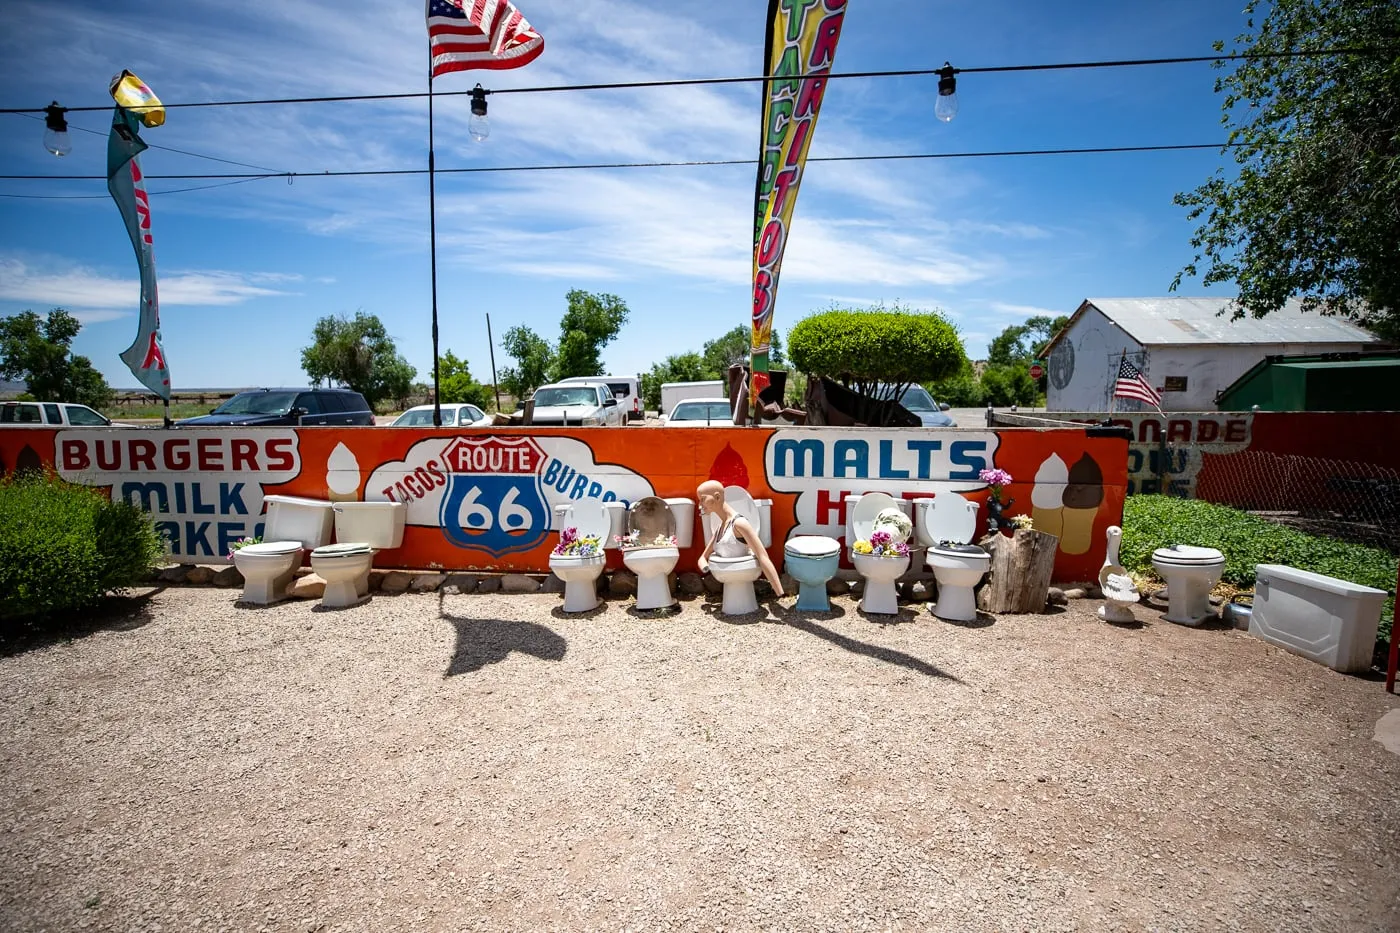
1190 349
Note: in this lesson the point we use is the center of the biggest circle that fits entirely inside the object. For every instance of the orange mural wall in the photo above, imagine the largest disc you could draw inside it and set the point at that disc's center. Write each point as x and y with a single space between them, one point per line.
484 499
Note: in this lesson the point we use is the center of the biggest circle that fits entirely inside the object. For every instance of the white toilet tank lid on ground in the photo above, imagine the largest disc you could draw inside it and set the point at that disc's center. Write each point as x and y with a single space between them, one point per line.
950 517
870 505
589 517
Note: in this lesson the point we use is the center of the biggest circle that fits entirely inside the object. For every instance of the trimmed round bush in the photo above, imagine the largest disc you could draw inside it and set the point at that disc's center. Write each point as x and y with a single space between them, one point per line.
860 348
64 547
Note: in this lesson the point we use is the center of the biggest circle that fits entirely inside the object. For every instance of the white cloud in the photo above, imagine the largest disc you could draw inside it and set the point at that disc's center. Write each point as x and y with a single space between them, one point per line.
95 296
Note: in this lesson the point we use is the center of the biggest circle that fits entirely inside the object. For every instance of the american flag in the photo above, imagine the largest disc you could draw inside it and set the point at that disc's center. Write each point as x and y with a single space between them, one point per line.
1133 384
465 34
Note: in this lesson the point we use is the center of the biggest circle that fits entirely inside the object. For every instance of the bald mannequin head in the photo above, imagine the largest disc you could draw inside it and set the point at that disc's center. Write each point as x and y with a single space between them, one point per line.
710 495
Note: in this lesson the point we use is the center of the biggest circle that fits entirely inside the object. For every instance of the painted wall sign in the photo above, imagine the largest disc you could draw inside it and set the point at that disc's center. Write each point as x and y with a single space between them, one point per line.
481 499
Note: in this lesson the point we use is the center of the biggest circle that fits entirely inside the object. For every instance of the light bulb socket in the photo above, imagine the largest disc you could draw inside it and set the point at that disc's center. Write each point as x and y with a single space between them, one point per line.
947 82
479 101
53 118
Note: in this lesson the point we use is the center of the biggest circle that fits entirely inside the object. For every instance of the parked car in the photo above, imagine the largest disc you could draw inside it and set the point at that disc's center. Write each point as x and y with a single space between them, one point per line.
700 413
454 414
54 415
918 401
577 403
626 389
279 407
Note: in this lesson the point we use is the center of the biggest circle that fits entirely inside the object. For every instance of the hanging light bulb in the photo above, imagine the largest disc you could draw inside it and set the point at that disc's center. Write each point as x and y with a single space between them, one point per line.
479 125
946 108
56 131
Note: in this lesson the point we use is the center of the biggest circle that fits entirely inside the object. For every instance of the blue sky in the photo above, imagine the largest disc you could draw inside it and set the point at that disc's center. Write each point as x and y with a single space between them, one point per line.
245 270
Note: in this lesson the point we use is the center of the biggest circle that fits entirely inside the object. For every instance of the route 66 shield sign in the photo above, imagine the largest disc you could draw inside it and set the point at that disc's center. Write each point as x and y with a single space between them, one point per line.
494 500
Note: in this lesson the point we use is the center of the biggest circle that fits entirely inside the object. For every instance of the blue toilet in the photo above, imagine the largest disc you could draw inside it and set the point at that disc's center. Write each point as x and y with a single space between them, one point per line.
812 560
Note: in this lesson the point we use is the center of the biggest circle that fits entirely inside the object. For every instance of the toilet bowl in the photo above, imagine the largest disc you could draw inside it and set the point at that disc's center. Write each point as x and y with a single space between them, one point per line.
580 572
878 596
1190 572
362 529
649 518
812 560
738 574
946 524
292 524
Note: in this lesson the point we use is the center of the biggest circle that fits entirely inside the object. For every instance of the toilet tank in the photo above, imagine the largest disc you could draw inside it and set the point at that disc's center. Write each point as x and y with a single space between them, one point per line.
292 518
684 512
1330 621
378 524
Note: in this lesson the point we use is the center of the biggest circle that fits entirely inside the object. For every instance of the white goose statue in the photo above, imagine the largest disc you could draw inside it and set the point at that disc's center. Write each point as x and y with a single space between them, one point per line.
1119 591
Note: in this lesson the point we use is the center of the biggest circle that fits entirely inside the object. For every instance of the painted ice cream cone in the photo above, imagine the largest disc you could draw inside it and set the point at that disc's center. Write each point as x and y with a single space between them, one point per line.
1047 496
343 475
1083 496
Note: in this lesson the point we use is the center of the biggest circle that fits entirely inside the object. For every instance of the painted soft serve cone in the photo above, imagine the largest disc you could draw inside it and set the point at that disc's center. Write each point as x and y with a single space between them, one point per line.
1047 495
343 474
1083 496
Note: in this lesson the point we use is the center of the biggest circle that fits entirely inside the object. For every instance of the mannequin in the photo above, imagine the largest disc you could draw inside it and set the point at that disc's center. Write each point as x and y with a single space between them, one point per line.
735 536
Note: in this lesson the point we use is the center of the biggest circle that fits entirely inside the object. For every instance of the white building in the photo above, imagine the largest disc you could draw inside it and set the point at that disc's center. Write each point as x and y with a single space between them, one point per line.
1188 348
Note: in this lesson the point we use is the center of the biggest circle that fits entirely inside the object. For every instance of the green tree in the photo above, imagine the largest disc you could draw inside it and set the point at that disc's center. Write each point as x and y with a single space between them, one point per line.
455 383
590 323
683 367
37 351
722 352
1315 207
533 359
961 390
1009 385
357 352
865 349
1021 343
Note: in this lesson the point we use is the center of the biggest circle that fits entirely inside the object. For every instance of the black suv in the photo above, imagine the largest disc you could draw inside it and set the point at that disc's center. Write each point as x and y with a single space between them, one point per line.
277 407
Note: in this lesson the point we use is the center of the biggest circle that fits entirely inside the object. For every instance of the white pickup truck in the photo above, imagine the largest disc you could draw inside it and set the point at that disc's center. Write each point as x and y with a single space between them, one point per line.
53 415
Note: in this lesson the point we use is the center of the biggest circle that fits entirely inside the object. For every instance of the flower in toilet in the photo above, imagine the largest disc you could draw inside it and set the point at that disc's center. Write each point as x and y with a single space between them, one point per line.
881 544
241 543
634 540
895 523
573 544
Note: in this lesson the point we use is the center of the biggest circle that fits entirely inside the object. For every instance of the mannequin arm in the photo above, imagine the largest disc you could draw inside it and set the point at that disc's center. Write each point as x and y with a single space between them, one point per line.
751 538
704 562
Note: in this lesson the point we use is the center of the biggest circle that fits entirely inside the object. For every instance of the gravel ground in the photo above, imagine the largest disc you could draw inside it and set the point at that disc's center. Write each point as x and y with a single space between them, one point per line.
485 762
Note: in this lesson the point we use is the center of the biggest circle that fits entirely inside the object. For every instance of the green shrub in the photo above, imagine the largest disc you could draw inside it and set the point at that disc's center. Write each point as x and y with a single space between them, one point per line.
1150 522
64 547
858 348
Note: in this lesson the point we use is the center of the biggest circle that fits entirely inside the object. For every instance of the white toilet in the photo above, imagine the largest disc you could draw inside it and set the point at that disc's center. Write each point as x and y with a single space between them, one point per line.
946 525
1190 572
738 574
361 530
879 596
649 517
291 525
580 573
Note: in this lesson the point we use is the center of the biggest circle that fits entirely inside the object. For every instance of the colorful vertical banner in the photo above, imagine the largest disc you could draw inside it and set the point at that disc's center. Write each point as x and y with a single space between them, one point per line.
146 356
800 47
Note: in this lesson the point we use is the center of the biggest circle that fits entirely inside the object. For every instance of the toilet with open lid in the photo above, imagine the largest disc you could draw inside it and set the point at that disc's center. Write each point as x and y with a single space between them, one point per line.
880 573
362 529
737 574
590 518
650 518
292 524
948 525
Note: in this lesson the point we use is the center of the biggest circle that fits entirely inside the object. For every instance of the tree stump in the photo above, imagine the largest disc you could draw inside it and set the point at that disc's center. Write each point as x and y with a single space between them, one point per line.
1019 579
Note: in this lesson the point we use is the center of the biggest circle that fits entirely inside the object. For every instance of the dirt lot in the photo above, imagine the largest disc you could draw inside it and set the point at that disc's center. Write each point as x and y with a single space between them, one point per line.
484 762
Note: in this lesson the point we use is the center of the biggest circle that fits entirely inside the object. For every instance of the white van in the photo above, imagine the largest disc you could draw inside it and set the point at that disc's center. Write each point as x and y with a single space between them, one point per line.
53 415
625 389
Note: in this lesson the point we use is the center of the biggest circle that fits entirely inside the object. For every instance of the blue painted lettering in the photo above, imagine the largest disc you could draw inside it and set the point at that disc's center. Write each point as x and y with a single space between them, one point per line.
925 450
887 470
968 454
806 458
851 455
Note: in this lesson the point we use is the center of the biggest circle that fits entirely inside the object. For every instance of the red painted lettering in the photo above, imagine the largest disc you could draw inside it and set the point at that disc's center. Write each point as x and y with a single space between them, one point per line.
211 455
813 90
244 455
143 454
827 504
108 458
279 454
771 242
1236 430
73 455
798 143
177 454
1207 430
1178 430
438 478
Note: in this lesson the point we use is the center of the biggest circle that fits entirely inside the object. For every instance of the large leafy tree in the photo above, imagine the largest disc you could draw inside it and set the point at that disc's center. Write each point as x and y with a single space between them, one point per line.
357 352
722 352
37 351
533 358
590 323
1314 210
1021 343
455 383
683 367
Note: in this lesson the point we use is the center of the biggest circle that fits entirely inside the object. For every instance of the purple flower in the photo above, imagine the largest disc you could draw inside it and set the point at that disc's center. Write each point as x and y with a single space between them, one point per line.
880 538
995 477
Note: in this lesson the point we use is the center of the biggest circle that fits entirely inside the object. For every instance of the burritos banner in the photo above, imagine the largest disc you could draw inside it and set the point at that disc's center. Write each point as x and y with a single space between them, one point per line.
801 46
145 357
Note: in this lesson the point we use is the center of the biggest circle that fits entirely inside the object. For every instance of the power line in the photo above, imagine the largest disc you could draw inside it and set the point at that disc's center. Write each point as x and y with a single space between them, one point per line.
197 155
103 197
756 79
1084 150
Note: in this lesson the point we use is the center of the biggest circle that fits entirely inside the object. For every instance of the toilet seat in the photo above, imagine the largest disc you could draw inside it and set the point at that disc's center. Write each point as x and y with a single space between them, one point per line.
958 550
1187 555
347 549
269 548
812 546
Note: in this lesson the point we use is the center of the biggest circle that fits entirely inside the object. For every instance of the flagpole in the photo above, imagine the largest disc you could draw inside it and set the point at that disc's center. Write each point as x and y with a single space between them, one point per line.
432 242
491 345
1113 382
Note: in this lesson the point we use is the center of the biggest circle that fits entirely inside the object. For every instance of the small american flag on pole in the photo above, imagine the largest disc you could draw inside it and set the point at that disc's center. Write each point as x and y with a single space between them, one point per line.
1132 383
465 34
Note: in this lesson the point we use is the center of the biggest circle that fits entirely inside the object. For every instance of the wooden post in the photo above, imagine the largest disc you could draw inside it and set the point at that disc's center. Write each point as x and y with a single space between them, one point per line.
1019 580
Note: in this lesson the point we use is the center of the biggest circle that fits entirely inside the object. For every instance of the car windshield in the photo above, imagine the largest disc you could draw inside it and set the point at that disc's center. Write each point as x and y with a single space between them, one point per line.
915 398
702 411
258 403
562 396
422 417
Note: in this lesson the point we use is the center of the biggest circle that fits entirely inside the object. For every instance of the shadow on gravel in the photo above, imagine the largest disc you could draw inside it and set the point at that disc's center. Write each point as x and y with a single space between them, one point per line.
888 655
983 620
113 614
488 641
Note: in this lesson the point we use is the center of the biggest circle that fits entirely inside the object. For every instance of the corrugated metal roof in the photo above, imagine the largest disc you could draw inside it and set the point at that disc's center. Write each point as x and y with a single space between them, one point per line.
1168 321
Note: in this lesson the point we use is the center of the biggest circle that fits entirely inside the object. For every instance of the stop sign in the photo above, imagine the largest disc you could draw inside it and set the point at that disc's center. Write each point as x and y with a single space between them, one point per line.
1037 370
